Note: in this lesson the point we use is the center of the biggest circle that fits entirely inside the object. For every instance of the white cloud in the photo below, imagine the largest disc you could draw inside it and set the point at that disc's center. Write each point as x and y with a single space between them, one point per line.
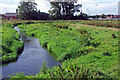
7 8
11 5
89 6
43 5
108 8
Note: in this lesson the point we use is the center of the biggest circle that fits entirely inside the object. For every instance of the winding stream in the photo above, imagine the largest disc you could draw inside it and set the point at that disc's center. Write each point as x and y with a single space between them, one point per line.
31 59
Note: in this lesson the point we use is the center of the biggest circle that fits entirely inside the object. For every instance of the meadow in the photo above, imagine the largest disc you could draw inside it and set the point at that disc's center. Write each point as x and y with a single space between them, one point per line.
85 50
103 23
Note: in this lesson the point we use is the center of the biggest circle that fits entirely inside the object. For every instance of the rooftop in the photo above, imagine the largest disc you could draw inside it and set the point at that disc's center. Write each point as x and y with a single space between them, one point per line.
10 14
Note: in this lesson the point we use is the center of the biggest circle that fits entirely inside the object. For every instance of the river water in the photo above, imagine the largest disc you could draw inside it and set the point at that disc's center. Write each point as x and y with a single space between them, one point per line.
31 59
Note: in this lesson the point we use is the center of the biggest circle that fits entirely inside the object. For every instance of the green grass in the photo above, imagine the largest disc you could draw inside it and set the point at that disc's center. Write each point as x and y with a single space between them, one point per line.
74 45
63 43
102 23
11 44
105 56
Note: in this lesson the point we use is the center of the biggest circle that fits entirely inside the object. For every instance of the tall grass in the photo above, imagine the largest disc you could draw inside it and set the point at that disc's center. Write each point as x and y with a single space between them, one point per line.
11 44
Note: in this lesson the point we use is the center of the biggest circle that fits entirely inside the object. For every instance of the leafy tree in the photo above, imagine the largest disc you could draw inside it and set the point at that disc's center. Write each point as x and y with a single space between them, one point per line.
56 8
64 10
28 10
83 16
103 16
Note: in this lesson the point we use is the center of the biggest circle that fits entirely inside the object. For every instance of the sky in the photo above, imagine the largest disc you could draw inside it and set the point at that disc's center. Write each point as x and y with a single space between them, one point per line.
90 7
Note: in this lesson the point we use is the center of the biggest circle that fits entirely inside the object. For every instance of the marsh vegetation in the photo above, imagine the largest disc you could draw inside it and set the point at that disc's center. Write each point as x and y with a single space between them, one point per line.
85 51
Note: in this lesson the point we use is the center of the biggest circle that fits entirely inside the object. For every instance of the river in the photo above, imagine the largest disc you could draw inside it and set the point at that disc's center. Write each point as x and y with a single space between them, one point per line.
31 59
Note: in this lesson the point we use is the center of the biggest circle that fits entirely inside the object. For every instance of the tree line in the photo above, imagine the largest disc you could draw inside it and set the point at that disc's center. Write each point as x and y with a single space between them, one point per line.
58 11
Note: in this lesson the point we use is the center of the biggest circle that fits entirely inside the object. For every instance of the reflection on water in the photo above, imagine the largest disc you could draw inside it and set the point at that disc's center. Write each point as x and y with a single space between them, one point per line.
31 59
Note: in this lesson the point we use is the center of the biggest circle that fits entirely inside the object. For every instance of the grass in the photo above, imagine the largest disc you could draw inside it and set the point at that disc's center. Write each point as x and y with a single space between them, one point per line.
79 47
62 42
102 23
11 44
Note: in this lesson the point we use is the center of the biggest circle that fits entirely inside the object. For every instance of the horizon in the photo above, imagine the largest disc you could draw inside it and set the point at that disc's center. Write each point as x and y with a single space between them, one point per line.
90 7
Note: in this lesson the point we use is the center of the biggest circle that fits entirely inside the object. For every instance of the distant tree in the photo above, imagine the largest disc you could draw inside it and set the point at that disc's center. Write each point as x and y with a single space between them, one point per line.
85 15
28 10
82 16
17 13
64 10
55 9
102 16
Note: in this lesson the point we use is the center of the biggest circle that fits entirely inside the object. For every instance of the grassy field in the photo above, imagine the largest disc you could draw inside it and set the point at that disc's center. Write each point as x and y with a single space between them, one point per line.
90 49
102 23
84 50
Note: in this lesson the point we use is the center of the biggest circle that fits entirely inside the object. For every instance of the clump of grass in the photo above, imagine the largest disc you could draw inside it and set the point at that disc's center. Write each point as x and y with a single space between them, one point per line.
61 26
81 30
107 53
64 72
74 72
44 68
11 44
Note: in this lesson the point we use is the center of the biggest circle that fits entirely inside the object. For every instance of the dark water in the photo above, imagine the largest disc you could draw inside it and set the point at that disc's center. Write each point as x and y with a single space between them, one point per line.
31 59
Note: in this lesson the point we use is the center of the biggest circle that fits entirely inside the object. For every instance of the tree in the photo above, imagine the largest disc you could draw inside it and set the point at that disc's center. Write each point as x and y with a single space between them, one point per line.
103 16
28 10
64 10
56 8
83 16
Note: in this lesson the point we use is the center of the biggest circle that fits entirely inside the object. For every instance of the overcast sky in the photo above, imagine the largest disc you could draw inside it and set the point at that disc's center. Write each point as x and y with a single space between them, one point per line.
90 7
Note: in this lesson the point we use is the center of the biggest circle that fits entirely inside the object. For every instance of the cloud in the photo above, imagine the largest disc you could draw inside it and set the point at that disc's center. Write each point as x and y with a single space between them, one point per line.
11 5
43 5
7 7
109 8
89 6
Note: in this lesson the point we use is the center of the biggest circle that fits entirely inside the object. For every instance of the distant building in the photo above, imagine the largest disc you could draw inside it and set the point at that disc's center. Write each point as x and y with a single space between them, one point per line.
113 17
9 16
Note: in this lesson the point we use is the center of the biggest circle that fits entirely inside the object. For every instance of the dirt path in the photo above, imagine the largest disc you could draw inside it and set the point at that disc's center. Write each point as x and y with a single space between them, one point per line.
97 27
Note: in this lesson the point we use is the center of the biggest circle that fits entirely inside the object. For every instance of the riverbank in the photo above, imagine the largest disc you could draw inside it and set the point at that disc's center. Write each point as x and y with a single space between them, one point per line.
11 44
84 50
76 45
31 59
